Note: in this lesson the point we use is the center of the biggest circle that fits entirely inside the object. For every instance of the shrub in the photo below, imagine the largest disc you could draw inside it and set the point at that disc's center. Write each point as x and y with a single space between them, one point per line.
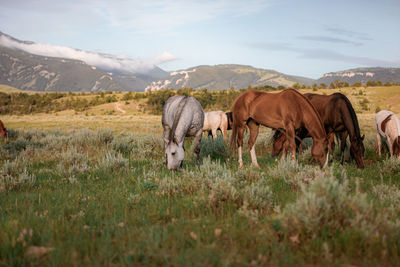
113 162
73 161
295 173
214 148
327 207
391 166
14 176
258 195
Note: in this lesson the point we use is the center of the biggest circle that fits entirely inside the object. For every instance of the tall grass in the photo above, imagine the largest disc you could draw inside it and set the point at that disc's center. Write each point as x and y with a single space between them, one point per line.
94 197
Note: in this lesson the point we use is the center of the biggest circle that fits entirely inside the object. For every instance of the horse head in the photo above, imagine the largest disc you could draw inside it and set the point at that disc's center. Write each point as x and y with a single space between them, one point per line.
320 151
396 147
357 151
175 152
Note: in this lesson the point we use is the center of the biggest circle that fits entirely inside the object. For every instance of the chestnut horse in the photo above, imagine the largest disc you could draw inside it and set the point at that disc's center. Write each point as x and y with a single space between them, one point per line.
338 117
3 130
387 126
288 110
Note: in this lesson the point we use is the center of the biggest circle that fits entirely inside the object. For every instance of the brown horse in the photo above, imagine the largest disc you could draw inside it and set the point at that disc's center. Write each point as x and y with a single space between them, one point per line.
338 117
3 130
287 110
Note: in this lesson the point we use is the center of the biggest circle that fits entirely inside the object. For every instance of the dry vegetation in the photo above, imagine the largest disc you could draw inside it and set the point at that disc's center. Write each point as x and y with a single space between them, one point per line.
89 188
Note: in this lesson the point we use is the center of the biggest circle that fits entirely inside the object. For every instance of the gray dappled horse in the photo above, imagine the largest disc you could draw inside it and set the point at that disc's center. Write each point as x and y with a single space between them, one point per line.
182 116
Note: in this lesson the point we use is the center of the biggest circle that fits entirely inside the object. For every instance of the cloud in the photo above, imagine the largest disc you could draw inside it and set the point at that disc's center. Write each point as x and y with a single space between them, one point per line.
348 33
156 16
327 39
103 61
325 54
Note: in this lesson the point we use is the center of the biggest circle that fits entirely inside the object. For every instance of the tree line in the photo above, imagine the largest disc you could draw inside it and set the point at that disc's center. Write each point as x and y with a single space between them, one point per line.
23 103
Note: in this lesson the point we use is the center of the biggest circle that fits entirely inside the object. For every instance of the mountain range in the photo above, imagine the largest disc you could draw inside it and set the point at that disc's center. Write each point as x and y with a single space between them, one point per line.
27 70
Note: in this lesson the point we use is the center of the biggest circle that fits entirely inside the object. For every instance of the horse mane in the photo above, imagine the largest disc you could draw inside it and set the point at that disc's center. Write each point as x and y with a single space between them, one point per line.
352 114
181 105
310 105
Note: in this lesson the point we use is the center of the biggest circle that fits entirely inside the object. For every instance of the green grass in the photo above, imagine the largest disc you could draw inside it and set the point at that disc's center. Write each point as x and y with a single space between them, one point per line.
103 198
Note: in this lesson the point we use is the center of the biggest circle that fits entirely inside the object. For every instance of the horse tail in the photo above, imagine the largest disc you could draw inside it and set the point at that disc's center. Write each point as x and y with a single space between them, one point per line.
233 141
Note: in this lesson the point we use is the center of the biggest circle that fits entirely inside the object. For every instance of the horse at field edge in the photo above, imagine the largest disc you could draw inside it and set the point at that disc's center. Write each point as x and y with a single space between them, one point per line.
387 126
182 116
288 110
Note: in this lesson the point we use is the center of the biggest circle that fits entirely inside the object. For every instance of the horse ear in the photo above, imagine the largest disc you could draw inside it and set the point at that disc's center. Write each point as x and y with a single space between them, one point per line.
362 137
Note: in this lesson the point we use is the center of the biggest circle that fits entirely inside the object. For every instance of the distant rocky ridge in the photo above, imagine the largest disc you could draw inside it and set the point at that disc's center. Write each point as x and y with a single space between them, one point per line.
363 75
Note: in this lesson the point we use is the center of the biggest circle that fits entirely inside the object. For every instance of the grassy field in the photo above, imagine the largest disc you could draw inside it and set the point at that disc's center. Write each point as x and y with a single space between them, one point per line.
89 188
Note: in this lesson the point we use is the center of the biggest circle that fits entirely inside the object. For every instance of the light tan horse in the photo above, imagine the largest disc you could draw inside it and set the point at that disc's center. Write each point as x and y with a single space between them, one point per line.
214 120
387 126
288 110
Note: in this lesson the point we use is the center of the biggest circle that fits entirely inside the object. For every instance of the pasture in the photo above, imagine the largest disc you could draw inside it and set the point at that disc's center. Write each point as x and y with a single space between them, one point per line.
86 188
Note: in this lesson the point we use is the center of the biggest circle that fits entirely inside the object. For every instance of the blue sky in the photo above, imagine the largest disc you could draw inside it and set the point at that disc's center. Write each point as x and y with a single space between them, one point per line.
305 38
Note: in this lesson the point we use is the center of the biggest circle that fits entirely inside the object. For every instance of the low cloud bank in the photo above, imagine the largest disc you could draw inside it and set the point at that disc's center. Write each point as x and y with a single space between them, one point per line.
103 61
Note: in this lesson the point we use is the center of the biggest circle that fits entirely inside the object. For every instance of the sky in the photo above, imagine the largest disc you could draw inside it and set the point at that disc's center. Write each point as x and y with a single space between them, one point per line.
303 38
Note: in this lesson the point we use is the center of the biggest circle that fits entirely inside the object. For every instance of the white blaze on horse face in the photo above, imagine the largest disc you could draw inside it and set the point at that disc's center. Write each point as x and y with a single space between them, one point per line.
175 154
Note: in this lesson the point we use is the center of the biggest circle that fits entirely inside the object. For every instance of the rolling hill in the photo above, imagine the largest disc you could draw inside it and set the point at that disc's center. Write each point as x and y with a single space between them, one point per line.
225 76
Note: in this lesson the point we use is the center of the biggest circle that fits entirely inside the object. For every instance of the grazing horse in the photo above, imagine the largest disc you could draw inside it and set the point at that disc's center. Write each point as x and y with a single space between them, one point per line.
338 117
182 116
387 126
288 110
3 130
214 120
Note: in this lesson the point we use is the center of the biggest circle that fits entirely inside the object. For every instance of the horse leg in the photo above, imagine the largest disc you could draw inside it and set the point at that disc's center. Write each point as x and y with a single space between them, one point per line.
254 127
285 149
166 140
240 132
196 141
290 133
214 133
378 143
390 145
331 142
343 144
299 144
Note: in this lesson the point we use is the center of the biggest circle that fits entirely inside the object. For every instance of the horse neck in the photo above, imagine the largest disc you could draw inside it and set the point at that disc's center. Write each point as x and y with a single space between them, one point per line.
312 122
177 117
